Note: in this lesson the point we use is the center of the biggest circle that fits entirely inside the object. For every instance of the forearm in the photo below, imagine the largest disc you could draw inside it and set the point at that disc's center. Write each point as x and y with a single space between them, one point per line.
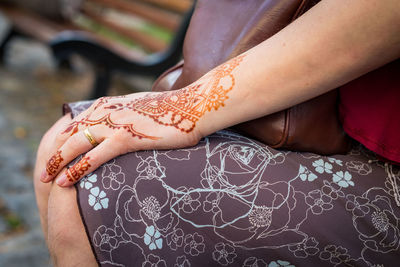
335 42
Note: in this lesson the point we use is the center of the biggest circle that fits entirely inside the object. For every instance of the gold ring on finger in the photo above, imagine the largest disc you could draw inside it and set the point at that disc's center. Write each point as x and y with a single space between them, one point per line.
90 137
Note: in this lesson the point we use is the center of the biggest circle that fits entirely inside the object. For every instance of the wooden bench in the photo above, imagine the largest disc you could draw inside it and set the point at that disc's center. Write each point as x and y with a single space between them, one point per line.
143 37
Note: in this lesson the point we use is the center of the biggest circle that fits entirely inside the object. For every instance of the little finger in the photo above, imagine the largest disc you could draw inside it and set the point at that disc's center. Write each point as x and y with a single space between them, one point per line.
89 163
74 146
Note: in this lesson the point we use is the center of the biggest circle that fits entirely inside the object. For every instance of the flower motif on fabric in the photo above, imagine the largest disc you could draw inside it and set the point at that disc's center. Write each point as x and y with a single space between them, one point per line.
182 262
97 199
88 181
379 227
211 176
187 201
260 216
150 168
151 208
318 202
194 244
113 176
337 161
224 254
154 261
306 248
280 263
359 167
175 239
306 175
343 179
321 166
152 238
357 205
332 190
105 238
243 154
380 221
254 262
334 254
211 203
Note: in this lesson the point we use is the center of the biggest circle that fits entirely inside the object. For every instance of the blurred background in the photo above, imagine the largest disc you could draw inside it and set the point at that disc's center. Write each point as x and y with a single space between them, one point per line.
58 51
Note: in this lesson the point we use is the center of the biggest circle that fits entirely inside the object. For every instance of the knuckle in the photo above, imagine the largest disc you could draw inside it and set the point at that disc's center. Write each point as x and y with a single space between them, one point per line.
92 158
60 138
74 141
120 136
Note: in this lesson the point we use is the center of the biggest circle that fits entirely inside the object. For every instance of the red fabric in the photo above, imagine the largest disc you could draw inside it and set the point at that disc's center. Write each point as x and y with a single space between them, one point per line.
370 110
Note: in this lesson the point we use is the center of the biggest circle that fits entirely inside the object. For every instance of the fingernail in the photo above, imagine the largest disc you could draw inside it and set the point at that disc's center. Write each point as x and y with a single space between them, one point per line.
43 176
61 180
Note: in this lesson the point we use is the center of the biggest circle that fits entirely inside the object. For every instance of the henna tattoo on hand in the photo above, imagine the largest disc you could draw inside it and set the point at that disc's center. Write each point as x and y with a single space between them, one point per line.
180 109
106 120
104 100
76 172
183 108
54 163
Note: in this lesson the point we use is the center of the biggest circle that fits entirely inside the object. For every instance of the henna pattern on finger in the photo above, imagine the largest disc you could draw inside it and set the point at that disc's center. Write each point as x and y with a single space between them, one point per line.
76 172
54 163
183 108
106 120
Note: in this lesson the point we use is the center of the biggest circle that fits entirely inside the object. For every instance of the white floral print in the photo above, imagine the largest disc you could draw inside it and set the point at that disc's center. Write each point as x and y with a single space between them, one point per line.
151 208
181 261
88 181
260 216
152 238
97 199
337 161
194 244
306 175
357 205
112 175
175 239
334 254
105 238
154 261
318 202
359 167
254 262
224 254
308 246
227 180
321 166
343 179
280 263
188 201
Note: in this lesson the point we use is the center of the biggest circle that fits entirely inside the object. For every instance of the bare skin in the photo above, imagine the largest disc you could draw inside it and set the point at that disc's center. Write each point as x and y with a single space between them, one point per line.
333 43
59 214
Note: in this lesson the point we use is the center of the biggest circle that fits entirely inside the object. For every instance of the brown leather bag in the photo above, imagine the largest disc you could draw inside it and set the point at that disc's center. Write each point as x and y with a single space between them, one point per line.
220 30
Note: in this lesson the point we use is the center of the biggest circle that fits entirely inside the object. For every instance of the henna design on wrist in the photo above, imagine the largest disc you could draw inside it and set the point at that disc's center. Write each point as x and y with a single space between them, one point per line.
183 108
106 120
76 172
54 163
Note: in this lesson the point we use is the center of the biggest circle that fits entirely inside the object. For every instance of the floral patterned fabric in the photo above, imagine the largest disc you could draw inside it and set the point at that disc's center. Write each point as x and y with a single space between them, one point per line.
232 201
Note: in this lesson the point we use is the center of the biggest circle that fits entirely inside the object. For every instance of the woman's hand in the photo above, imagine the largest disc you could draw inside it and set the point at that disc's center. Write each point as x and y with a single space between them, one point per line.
120 125
139 121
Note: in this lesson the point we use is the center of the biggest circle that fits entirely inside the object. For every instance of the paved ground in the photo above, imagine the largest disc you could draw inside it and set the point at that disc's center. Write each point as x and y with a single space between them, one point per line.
31 94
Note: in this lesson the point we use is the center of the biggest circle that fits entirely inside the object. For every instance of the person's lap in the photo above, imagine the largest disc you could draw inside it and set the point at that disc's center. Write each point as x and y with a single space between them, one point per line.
229 200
